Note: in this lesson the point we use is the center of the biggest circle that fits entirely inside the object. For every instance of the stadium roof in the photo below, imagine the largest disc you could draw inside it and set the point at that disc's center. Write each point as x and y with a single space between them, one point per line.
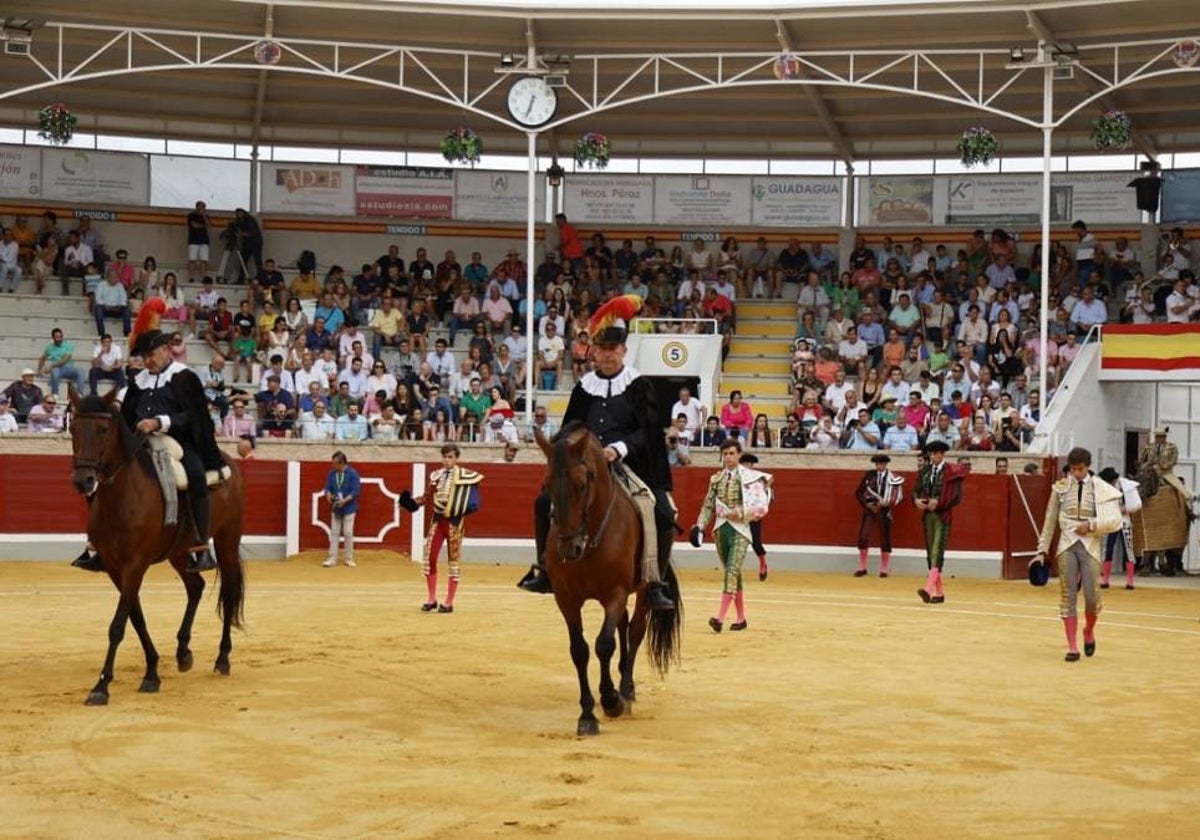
688 79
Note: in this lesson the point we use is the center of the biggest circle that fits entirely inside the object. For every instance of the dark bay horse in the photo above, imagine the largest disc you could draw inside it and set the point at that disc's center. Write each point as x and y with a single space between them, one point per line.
125 525
593 552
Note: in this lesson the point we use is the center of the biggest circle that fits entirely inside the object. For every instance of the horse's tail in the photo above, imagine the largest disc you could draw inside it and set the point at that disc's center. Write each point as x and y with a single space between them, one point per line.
665 627
233 591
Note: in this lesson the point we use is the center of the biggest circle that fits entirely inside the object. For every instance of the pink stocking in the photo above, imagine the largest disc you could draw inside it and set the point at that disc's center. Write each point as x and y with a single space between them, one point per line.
1071 626
886 565
1089 627
739 603
941 590
1130 566
931 581
726 600
1104 578
431 588
862 559
451 591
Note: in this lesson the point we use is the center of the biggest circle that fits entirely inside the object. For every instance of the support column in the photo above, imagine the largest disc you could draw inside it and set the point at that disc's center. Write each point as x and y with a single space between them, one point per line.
530 244
1047 152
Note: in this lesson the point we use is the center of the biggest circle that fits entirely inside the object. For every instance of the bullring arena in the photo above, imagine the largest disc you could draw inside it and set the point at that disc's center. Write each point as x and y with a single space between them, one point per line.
850 707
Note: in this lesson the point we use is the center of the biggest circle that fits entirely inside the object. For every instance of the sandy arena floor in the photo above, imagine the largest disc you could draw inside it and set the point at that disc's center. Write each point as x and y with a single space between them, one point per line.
847 710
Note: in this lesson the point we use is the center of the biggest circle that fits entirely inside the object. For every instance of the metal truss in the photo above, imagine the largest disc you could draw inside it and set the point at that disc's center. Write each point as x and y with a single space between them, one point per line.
974 79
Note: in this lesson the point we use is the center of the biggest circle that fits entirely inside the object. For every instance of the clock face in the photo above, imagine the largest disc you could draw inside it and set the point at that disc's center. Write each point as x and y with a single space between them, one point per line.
531 101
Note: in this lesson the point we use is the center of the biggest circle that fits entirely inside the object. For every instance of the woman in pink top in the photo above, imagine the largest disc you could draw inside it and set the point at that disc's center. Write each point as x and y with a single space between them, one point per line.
736 414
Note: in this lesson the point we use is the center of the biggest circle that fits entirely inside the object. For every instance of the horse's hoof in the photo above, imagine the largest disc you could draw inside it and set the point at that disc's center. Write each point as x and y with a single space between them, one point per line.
184 662
588 727
616 709
149 687
221 668
96 698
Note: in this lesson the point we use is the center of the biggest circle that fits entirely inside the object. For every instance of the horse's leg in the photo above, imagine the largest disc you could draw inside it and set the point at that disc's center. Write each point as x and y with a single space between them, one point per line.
116 632
233 591
150 682
588 725
637 632
606 646
194 585
625 663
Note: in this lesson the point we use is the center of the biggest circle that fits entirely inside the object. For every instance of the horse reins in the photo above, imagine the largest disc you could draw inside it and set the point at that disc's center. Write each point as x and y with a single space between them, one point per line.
582 530
103 477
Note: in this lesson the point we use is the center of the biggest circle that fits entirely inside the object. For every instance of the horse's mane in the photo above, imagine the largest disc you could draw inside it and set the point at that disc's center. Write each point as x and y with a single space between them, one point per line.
563 441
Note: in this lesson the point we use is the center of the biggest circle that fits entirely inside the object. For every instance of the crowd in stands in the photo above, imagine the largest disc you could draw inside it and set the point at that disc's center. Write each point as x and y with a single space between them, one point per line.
904 345
893 348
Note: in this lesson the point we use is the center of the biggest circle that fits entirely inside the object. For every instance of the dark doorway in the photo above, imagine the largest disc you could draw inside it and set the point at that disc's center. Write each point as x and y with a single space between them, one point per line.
666 388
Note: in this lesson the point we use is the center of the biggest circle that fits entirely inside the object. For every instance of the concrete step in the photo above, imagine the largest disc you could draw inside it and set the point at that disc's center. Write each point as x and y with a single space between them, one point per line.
756 365
766 328
765 309
757 386
744 346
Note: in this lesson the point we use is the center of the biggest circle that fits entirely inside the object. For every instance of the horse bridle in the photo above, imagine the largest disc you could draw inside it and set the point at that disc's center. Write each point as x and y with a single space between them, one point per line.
97 466
581 533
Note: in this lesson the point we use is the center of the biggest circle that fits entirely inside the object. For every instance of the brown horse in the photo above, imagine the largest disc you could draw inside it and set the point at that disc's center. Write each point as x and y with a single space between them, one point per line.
112 468
593 552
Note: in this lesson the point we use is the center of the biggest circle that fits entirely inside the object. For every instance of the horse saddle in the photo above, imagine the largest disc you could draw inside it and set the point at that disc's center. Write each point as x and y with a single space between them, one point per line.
643 499
163 443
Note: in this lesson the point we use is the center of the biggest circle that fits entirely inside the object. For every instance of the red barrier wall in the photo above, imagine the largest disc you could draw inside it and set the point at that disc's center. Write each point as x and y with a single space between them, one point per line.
813 506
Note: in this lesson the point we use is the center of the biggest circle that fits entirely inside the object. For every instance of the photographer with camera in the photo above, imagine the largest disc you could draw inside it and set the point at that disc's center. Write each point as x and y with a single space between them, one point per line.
1178 248
679 445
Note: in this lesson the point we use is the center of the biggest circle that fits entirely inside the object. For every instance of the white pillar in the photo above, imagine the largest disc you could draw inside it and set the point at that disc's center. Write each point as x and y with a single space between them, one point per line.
1047 151
530 231
416 543
292 537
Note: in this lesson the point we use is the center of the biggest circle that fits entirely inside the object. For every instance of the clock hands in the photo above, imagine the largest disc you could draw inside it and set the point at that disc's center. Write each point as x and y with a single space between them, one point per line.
532 100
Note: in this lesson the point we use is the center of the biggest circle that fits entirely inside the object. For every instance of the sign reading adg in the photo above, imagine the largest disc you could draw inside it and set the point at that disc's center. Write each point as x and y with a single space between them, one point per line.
308 188
79 176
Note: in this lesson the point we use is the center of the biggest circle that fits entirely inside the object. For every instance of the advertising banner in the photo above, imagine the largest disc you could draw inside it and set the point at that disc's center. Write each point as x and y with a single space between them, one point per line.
308 188
1098 198
405 192
1181 195
988 200
796 202
496 196
718 200
898 200
80 176
599 199
20 172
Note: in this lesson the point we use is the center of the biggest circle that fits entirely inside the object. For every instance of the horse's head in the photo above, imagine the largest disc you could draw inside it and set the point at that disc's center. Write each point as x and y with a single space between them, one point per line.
575 459
95 440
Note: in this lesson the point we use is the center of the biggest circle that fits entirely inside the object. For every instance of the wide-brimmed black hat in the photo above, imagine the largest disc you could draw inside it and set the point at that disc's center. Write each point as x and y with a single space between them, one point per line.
1109 474
149 340
748 458
1039 573
937 446
881 459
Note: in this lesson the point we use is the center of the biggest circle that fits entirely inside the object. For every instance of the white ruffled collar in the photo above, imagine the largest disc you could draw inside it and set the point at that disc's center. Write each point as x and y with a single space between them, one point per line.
147 380
598 386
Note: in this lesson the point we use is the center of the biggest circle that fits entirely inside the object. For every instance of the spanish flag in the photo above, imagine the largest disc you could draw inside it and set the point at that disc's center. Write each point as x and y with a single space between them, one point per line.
1148 352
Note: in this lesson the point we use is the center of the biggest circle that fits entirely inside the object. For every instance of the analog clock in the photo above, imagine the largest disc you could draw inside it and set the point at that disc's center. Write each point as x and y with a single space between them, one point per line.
531 101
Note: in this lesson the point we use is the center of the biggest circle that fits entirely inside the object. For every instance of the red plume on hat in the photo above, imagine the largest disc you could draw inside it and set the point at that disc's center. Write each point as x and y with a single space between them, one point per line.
147 319
618 312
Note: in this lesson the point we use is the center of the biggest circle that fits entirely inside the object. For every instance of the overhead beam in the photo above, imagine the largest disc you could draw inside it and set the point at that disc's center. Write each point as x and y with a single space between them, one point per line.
1090 86
836 137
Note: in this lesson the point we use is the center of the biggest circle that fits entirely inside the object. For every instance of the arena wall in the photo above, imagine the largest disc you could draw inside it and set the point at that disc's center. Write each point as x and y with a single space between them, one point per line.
813 524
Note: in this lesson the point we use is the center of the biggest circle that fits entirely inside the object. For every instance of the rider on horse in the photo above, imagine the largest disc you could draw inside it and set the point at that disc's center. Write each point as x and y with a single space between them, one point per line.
619 405
168 397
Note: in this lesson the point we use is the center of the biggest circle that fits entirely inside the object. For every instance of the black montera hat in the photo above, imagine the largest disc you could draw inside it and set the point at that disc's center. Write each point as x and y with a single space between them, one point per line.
1039 573
881 459
748 458
937 446
149 340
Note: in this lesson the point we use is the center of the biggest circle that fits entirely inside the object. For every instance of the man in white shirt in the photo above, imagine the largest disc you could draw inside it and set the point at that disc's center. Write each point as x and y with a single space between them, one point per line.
895 387
723 286
8 420
552 316
353 426
518 345
441 360
901 437
316 424
974 333
918 260
1180 304
286 381
1088 311
812 298
853 352
356 378
107 363
834 398
111 301
497 311
1000 273
550 352
76 258
694 411
10 262
309 374
837 326
956 381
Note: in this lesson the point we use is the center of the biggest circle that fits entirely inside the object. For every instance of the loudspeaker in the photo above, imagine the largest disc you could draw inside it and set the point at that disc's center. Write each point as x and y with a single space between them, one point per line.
1148 189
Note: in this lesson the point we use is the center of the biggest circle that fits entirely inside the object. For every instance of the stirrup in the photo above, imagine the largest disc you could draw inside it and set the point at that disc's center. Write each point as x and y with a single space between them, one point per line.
535 580
89 561
657 598
201 560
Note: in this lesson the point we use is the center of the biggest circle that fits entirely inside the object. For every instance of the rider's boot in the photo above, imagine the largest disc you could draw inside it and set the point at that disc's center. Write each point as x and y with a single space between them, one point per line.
88 560
536 580
200 556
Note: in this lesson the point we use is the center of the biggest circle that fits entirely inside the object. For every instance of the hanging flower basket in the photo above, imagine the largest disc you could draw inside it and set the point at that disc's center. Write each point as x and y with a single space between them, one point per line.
56 123
462 145
977 146
593 150
1112 131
